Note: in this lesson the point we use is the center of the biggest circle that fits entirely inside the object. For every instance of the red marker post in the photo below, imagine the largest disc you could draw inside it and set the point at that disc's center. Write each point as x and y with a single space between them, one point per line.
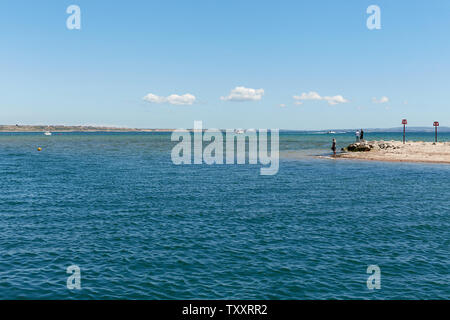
404 123
435 124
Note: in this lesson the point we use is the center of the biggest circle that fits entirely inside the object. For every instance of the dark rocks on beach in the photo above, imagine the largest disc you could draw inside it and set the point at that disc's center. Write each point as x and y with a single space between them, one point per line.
365 146
359 147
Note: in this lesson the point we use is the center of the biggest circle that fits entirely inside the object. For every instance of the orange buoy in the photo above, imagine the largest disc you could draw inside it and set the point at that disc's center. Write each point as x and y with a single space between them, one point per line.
39 149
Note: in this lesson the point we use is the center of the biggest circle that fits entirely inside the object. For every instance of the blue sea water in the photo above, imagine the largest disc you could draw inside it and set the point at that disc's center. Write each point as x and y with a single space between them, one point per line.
140 227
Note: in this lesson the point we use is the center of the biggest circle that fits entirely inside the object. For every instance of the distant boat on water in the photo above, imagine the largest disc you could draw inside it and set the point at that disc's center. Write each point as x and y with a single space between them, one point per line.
48 133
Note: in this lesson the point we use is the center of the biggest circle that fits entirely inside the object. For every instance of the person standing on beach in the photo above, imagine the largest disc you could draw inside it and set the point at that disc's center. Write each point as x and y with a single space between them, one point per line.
357 135
333 147
361 135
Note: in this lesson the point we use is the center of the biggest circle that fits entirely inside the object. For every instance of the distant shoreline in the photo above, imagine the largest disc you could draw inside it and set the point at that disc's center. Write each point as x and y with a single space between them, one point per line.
38 129
62 128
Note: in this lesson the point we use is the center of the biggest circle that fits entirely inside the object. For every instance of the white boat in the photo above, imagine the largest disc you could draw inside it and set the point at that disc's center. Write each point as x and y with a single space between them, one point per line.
239 131
48 133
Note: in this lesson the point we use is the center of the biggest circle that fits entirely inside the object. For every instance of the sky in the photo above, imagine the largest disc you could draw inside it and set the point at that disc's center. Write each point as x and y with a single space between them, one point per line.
232 64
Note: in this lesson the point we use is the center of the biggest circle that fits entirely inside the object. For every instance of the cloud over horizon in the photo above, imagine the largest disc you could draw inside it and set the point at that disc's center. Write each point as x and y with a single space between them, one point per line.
244 94
383 99
175 99
312 95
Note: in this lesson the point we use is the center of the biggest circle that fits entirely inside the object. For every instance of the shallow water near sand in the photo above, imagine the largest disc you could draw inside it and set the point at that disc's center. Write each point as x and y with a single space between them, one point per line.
140 227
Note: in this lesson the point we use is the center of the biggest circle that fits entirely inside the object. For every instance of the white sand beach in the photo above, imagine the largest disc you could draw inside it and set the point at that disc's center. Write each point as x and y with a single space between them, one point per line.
397 151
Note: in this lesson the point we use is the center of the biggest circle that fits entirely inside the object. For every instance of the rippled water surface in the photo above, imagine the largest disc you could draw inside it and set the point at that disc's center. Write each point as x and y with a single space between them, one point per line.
140 227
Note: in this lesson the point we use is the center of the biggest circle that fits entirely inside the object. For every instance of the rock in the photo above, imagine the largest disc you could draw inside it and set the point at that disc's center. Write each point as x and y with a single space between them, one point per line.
364 146
359 147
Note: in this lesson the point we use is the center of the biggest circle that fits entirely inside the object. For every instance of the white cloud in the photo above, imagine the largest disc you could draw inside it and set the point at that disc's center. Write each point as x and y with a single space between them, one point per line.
244 94
383 99
282 105
312 95
153 98
335 100
185 99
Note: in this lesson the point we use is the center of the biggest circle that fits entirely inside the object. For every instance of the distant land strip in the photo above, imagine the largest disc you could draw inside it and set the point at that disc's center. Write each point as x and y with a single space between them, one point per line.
61 128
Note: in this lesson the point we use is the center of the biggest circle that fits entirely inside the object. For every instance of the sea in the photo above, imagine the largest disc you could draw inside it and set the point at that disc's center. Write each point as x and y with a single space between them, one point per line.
115 207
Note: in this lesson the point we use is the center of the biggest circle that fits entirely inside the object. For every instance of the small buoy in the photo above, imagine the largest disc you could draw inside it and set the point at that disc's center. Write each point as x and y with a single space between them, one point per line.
39 149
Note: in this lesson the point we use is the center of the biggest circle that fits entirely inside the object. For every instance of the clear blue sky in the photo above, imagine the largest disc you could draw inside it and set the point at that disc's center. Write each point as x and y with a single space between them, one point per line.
128 49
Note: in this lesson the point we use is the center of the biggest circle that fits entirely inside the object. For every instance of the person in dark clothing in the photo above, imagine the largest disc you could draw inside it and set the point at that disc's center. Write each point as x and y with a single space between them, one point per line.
361 137
333 147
